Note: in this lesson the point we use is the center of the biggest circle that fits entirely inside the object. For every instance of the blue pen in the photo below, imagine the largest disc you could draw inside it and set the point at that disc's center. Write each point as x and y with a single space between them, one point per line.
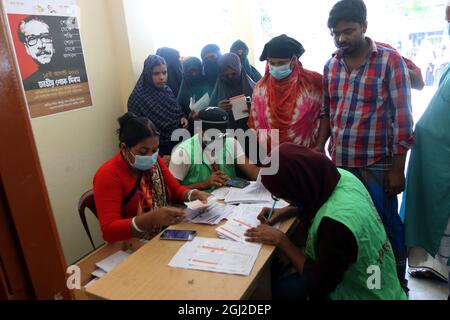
271 210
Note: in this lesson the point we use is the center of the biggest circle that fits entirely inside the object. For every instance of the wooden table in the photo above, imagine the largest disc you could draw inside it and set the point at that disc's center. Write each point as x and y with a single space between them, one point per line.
145 275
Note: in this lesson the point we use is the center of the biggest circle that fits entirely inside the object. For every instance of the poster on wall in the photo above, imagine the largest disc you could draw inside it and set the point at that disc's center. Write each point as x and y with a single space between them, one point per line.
49 53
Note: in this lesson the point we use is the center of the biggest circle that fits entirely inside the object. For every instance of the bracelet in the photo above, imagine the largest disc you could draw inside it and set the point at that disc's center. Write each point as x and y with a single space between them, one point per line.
190 192
133 222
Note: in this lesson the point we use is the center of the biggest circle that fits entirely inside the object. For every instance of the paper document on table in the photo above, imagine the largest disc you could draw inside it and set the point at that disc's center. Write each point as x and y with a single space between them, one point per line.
212 214
98 273
201 104
249 212
221 193
239 107
254 193
90 283
244 217
197 204
217 255
112 261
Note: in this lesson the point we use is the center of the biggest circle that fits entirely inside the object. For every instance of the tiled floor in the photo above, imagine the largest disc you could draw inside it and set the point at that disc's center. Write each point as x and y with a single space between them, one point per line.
424 289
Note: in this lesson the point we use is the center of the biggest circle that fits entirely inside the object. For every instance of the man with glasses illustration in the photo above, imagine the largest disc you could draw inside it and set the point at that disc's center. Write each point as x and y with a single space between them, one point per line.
36 36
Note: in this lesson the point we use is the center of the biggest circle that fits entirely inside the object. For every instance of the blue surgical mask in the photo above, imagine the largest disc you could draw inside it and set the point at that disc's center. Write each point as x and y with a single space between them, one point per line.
144 163
280 72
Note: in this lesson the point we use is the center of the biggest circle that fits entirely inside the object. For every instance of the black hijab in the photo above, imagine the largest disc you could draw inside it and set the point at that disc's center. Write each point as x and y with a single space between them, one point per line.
304 176
228 88
174 68
157 104
211 66
192 86
249 69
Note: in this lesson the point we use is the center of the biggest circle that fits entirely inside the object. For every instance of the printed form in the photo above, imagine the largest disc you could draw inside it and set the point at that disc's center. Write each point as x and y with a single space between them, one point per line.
217 255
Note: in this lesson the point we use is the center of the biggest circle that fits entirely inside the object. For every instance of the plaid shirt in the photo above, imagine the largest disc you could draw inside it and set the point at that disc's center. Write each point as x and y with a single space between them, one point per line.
369 109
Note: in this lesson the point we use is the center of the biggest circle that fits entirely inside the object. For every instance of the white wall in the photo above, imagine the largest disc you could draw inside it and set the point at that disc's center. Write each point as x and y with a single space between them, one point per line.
139 32
73 145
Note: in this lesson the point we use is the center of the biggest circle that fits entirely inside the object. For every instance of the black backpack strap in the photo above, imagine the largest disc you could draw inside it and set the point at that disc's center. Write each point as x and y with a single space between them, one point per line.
133 191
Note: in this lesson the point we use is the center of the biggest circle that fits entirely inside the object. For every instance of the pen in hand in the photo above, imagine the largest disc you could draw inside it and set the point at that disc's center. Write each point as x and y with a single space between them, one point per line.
272 209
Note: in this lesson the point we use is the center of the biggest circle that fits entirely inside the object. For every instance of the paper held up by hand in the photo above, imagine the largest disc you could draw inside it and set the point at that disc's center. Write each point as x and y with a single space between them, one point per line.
211 215
201 104
239 107
207 213
197 204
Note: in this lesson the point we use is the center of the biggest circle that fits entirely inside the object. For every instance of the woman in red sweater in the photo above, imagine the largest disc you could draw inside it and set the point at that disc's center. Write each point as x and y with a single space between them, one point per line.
133 189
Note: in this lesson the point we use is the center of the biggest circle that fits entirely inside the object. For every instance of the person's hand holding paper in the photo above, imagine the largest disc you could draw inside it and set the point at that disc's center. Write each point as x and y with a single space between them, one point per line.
225 105
201 104
239 107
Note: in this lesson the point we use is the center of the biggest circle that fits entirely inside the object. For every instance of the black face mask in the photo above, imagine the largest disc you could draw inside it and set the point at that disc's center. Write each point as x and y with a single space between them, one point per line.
211 68
232 81
193 79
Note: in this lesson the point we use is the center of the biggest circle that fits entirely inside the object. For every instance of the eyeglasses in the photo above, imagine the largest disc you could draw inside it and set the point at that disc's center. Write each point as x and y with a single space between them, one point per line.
44 37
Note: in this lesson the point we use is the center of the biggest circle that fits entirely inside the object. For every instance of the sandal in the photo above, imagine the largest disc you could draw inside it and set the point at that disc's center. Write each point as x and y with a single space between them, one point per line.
421 273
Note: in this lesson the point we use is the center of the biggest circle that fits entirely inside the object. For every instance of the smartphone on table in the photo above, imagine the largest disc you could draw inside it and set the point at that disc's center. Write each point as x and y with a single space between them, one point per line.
180 235
237 183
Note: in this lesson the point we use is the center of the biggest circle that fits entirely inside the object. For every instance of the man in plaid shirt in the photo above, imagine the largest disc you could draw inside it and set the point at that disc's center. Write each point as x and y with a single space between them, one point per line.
367 113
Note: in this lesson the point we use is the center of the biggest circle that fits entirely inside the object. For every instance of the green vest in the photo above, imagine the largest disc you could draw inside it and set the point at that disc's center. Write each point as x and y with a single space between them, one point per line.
200 169
351 205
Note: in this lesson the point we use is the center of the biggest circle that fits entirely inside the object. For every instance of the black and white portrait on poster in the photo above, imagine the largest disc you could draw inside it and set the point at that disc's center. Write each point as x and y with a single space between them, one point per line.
49 54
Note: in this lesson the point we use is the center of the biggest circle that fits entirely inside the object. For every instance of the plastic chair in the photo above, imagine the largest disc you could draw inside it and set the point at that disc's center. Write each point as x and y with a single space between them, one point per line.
87 201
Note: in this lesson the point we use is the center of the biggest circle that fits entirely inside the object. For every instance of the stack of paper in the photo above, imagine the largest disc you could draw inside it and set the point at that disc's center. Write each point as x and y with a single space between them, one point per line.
221 193
112 261
252 194
210 213
197 204
217 255
107 264
244 217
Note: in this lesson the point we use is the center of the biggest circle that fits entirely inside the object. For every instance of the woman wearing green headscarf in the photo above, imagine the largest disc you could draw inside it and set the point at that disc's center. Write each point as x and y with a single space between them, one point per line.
241 49
193 85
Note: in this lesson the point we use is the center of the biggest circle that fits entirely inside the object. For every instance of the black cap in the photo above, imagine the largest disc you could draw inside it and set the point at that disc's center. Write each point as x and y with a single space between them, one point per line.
214 118
282 47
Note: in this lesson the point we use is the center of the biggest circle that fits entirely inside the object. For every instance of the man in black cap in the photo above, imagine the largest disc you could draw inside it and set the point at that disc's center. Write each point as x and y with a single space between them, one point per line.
209 158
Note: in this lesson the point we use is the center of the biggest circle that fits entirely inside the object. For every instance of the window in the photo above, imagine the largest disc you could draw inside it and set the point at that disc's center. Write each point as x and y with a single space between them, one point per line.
189 25
403 24
416 28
